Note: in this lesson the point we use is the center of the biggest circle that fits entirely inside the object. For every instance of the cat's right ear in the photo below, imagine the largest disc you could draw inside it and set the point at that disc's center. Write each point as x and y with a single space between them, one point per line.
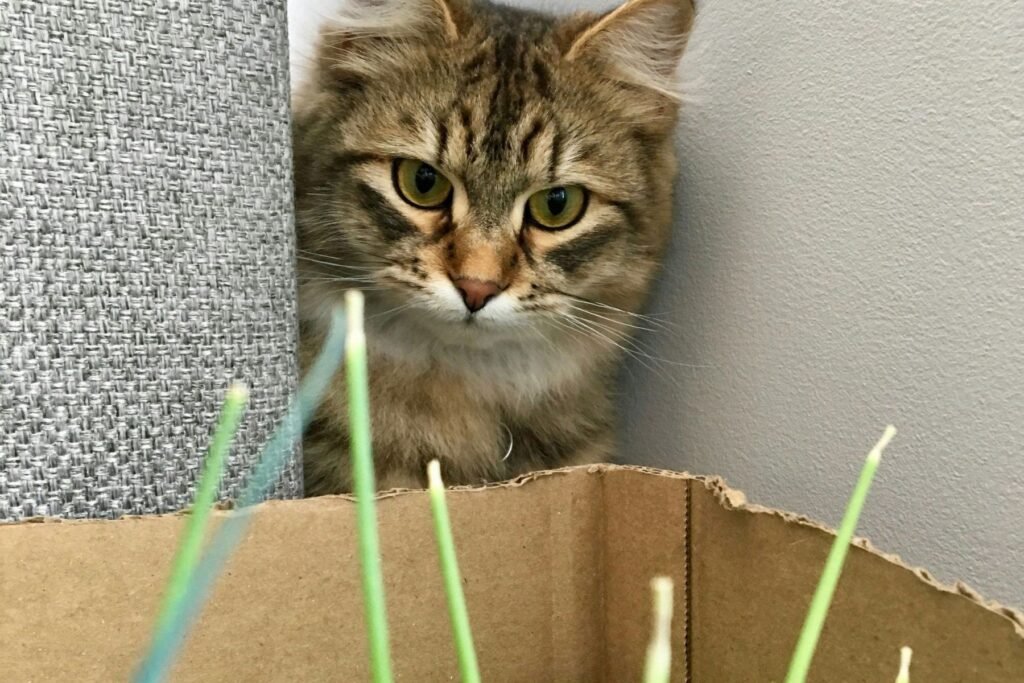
368 37
641 42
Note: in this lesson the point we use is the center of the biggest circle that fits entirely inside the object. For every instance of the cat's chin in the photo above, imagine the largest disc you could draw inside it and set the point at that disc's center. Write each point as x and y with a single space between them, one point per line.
438 314
441 322
514 355
498 360
460 330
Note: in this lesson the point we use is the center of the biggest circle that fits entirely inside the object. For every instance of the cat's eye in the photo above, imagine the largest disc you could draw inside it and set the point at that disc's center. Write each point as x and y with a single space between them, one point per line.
421 184
557 208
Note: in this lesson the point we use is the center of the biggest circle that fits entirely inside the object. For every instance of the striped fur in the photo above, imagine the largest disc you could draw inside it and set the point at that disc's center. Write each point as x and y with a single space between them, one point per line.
505 102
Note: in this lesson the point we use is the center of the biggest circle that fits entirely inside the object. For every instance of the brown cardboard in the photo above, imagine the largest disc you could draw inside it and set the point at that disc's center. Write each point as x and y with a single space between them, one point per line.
556 570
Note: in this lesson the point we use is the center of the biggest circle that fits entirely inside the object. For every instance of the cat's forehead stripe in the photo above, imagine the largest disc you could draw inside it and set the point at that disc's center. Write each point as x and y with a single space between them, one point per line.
556 156
442 141
505 78
536 126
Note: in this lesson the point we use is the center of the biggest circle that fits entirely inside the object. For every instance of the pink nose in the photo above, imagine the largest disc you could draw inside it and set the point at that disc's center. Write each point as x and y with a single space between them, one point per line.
476 293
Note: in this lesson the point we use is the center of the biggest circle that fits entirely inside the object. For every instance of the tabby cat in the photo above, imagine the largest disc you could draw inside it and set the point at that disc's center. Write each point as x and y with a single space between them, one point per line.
498 182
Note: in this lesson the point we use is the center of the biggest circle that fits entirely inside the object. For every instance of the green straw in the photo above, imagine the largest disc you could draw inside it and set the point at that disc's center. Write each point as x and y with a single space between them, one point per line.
168 637
365 489
659 652
195 527
811 632
452 579
904 675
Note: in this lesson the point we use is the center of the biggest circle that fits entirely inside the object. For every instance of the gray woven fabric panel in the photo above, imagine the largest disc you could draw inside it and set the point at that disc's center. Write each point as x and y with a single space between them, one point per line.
146 247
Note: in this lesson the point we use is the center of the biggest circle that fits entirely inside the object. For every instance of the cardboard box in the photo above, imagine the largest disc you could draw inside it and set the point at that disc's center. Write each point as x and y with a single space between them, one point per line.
556 570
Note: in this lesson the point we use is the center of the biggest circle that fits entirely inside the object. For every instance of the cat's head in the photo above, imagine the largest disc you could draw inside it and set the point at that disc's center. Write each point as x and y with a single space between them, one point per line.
491 173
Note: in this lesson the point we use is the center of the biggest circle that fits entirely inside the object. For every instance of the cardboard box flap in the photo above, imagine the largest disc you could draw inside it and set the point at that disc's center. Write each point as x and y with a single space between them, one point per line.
734 499
80 597
755 569
556 568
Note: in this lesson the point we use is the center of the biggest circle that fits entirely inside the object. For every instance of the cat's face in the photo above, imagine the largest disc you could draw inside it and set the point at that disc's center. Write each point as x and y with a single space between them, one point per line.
493 173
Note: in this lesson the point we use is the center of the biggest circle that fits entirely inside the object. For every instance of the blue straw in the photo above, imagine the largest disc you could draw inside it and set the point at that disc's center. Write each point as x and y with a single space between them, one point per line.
170 635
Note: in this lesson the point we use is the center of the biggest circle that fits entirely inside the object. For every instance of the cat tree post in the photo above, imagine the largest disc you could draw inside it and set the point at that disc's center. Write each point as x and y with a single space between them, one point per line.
146 248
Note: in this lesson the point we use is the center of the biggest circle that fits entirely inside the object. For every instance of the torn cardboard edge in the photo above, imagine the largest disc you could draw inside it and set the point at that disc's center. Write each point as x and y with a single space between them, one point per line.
730 498
556 566
735 499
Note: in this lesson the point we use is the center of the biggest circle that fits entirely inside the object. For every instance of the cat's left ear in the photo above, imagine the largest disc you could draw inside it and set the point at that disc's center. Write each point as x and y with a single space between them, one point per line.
641 41
368 37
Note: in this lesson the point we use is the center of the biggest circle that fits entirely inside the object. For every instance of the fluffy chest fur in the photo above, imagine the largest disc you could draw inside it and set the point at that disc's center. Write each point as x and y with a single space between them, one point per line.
484 426
498 183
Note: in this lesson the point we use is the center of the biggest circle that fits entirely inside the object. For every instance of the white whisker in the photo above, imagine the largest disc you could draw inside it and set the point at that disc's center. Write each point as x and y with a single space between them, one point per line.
612 320
629 346
391 311
329 264
628 350
649 318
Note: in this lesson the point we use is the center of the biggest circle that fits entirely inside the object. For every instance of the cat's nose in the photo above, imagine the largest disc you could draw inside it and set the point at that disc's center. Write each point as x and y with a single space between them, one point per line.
476 293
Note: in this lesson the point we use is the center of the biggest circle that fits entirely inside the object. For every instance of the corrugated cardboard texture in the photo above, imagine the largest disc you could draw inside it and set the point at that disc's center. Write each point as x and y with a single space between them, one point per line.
645 536
556 571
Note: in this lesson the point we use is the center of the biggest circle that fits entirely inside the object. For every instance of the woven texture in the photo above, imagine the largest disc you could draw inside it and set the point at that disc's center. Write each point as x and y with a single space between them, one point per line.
146 248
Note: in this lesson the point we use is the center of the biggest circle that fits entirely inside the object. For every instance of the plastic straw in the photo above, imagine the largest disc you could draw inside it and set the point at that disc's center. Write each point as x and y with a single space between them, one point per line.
815 621
195 527
659 652
904 675
366 490
170 634
457 611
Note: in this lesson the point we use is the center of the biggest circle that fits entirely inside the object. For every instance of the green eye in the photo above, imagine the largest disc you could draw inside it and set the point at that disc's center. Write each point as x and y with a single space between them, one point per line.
421 184
557 208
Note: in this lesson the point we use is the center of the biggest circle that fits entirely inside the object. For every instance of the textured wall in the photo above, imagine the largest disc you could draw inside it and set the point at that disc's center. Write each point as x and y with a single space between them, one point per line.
146 252
850 252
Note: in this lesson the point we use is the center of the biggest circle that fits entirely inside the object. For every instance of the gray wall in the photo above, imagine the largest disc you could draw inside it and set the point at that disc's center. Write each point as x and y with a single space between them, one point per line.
849 253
